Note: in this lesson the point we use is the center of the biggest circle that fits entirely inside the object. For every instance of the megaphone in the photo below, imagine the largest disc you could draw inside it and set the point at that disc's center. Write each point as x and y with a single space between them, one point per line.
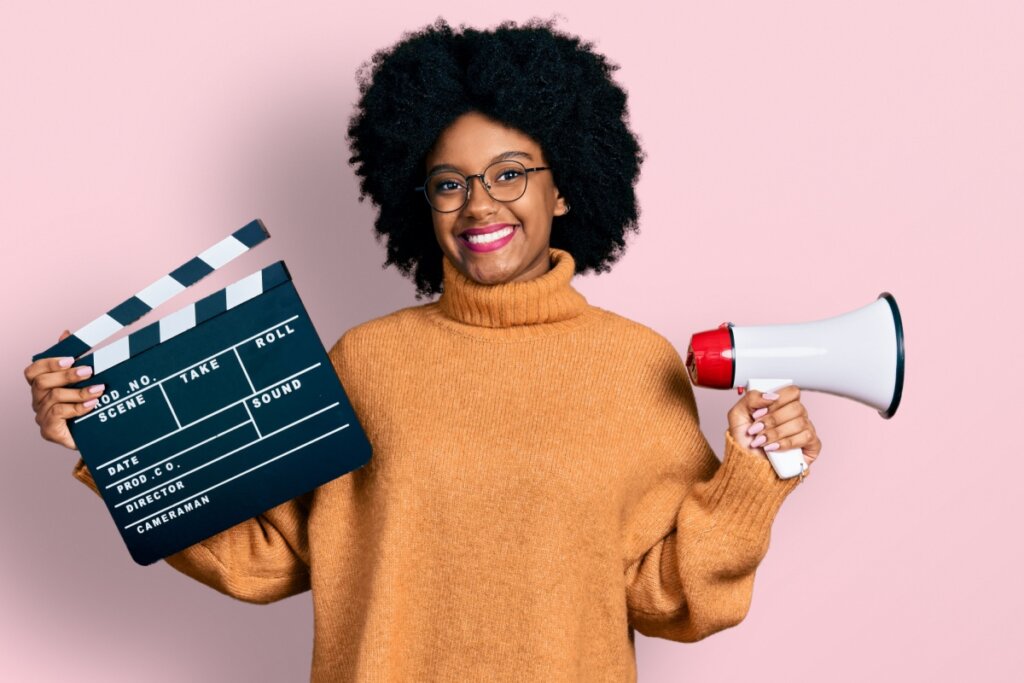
857 355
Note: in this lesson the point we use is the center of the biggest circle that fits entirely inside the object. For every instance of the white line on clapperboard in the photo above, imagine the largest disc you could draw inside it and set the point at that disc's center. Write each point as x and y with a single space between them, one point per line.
221 457
254 467
206 417
251 418
242 365
178 372
170 407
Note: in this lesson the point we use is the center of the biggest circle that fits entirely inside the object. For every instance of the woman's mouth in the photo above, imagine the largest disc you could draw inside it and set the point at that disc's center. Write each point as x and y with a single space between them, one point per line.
490 238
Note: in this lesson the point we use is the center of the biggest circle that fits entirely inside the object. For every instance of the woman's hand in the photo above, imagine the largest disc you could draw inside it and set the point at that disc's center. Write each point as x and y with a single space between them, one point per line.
774 424
54 404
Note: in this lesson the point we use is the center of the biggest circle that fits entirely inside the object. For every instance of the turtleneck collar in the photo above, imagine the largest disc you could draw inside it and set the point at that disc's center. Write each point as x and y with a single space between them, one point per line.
545 299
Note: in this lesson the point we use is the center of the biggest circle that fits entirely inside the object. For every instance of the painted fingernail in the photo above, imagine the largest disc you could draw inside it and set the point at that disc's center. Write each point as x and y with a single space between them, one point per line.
772 446
66 362
84 371
760 413
755 428
770 396
90 404
758 441
95 388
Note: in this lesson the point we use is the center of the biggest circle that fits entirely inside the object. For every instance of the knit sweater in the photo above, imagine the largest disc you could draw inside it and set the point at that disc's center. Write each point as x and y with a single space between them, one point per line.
539 489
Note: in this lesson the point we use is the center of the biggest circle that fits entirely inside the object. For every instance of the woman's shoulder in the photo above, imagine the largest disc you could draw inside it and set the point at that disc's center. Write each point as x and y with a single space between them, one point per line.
634 332
377 331
642 339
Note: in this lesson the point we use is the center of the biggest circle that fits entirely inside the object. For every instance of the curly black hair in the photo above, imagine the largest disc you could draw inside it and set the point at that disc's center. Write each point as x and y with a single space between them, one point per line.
547 84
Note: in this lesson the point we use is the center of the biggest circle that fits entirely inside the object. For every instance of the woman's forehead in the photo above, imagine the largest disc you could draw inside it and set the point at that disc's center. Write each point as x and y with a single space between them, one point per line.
521 156
473 140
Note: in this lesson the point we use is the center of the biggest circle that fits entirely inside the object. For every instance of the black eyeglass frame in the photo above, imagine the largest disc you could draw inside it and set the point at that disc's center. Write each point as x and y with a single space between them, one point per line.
487 188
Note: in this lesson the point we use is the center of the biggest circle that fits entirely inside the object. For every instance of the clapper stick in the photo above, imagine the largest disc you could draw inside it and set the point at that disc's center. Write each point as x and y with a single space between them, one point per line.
186 318
175 282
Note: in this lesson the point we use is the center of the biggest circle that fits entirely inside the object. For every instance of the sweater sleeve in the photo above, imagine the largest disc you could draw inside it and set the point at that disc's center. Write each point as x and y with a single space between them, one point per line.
261 560
701 527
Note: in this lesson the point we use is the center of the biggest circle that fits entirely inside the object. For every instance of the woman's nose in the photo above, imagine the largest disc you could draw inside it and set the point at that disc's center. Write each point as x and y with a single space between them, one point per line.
478 201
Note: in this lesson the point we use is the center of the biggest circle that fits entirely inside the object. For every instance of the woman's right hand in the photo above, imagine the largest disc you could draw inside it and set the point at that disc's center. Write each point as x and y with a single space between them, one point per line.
54 404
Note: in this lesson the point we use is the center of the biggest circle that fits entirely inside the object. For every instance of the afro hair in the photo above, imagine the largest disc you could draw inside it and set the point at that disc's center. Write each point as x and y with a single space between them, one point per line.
551 86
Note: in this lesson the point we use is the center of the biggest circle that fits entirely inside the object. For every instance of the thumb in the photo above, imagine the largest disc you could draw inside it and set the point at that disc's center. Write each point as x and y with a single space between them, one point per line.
64 335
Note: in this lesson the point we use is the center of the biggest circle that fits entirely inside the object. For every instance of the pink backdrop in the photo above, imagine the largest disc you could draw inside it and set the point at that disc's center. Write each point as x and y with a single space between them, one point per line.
803 157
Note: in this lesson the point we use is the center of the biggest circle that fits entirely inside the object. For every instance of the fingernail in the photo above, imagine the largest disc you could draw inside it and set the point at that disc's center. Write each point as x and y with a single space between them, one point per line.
755 428
760 413
84 371
772 446
758 441
95 388
66 362
770 396
90 404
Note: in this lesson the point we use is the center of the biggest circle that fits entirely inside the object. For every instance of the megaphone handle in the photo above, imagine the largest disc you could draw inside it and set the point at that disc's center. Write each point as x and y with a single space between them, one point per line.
787 464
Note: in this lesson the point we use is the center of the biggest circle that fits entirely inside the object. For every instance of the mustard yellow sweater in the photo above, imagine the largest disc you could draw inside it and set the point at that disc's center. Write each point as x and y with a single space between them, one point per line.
539 488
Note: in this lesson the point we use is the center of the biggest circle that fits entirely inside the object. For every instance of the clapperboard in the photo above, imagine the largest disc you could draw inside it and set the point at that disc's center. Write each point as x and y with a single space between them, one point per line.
215 413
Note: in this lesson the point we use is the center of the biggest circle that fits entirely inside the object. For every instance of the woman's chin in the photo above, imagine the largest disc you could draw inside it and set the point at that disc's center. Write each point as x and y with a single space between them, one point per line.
488 277
488 269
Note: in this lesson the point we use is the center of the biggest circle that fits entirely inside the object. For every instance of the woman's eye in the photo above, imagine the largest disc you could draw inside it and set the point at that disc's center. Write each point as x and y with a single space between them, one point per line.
447 186
508 175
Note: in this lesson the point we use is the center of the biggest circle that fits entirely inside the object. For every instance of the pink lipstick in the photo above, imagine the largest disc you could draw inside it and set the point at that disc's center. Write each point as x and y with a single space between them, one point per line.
489 238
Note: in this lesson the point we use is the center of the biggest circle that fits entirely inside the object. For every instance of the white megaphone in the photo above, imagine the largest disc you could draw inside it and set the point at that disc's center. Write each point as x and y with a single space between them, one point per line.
858 355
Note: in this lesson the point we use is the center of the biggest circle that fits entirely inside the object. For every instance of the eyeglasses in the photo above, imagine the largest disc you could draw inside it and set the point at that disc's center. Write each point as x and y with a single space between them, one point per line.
504 181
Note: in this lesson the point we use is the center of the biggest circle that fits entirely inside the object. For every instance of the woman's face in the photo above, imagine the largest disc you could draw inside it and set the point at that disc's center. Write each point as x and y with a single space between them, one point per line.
468 146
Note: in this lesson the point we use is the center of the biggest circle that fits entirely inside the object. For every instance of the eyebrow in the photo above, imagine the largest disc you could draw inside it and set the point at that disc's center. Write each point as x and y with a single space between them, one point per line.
501 157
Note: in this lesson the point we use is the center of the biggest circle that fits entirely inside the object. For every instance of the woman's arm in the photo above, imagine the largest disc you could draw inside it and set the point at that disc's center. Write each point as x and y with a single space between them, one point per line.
699 532
261 560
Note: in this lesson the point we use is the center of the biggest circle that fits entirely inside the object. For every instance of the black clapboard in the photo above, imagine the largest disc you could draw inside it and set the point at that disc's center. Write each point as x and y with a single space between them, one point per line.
215 413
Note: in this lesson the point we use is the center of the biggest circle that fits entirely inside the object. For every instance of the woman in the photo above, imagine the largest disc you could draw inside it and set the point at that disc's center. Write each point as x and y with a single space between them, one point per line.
539 486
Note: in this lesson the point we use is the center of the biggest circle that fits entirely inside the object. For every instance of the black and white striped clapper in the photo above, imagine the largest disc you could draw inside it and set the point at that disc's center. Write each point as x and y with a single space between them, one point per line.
215 413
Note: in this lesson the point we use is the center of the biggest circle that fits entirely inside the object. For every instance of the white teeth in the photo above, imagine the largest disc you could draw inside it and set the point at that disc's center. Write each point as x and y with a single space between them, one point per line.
489 237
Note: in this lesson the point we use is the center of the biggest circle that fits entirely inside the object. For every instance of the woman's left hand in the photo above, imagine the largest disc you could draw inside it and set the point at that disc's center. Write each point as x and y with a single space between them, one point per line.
758 422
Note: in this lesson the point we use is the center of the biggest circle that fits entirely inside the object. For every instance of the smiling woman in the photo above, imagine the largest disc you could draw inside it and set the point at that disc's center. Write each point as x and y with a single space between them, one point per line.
539 488
491 239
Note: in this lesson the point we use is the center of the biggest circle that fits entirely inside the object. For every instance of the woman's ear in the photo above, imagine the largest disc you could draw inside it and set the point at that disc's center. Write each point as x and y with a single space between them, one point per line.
561 206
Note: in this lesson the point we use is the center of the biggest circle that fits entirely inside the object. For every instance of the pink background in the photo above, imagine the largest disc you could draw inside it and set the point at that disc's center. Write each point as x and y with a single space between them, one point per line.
803 157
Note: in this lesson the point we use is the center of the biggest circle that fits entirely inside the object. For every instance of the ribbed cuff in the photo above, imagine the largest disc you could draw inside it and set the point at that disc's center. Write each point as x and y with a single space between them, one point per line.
748 493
